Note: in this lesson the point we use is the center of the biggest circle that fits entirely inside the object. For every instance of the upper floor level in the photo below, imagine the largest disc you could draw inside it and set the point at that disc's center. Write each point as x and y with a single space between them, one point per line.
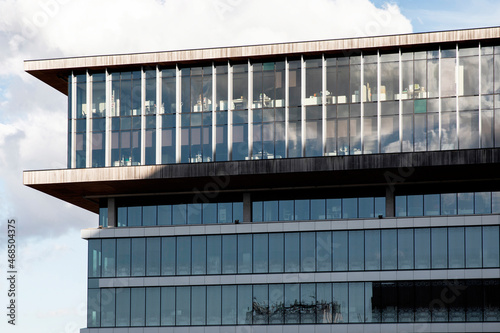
407 93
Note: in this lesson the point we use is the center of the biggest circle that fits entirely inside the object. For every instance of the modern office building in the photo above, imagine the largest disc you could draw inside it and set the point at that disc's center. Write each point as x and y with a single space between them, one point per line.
347 185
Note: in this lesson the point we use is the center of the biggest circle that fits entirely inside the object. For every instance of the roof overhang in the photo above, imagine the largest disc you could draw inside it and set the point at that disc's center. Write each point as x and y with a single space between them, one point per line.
425 171
55 72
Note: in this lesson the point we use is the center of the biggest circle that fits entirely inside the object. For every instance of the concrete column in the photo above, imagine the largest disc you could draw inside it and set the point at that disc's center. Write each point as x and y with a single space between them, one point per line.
112 213
390 202
247 207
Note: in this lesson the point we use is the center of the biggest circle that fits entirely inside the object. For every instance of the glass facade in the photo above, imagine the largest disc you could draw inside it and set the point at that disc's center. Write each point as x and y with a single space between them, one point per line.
301 303
376 102
195 213
448 204
318 209
322 251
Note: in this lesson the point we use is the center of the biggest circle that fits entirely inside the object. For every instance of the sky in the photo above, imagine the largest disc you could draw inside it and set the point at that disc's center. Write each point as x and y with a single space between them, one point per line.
51 255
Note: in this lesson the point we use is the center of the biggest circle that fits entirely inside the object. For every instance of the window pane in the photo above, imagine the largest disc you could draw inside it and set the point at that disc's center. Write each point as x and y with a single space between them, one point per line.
108 257
123 256
245 305
356 302
229 305
134 216
292 252
292 301
229 253
209 213
94 308
333 208
318 209
270 211
276 254
340 250
324 307
456 244
214 305
94 258
260 304
138 307
356 250
422 248
199 255
302 210
422 297
490 246
340 302
439 248
107 307
178 214
415 205
389 306
286 210
474 300
449 204
473 247
194 213
165 215
214 255
123 307
324 251
168 256
183 306
491 300
260 253
183 255
225 212
244 254
482 203
465 203
431 204
308 249
405 248
389 249
168 306
198 305
405 302
308 303
349 208
149 215
153 306
276 300
153 256
372 249
366 207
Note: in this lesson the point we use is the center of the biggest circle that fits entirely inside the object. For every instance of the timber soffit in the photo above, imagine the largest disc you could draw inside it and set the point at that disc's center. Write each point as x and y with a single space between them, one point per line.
51 70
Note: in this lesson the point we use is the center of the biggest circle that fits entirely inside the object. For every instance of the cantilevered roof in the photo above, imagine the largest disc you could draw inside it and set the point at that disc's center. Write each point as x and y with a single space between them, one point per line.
452 170
54 72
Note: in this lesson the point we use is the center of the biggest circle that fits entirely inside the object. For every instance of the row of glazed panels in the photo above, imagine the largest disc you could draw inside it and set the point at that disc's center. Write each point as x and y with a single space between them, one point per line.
444 204
227 212
430 122
225 86
322 251
180 214
306 303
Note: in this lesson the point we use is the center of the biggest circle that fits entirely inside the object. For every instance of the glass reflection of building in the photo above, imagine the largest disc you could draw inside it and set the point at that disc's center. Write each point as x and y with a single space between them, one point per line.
315 184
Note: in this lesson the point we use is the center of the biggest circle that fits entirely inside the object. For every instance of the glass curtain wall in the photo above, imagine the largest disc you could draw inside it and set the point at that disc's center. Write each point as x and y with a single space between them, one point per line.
443 92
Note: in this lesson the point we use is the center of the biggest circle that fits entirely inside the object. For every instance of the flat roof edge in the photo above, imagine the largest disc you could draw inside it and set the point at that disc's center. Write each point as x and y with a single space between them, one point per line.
277 49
